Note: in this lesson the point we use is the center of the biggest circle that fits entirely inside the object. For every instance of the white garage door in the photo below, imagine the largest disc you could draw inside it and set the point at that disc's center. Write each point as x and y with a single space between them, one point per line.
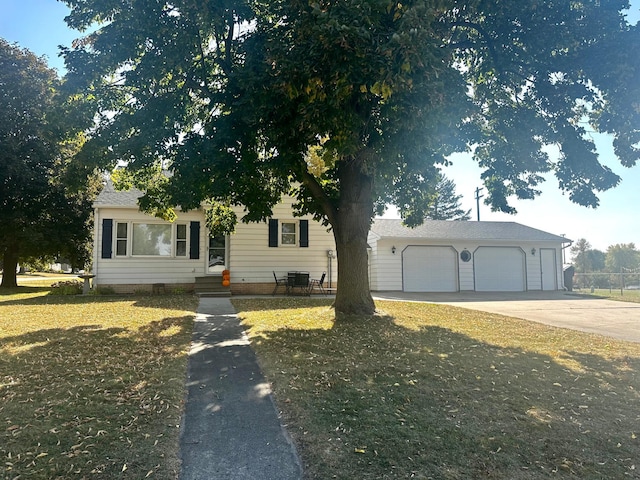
429 269
499 269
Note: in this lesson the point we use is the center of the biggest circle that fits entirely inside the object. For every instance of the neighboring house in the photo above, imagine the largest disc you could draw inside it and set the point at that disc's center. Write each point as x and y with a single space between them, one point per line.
452 256
134 251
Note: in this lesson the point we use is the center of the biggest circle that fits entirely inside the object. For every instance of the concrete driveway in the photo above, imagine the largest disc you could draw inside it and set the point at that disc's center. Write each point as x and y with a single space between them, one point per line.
619 320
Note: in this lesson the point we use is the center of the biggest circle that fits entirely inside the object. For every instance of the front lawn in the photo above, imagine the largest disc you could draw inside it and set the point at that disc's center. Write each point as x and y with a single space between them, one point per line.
433 391
91 387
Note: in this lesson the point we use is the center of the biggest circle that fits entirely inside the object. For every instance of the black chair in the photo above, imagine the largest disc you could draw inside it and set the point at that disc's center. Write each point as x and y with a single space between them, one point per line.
318 283
280 282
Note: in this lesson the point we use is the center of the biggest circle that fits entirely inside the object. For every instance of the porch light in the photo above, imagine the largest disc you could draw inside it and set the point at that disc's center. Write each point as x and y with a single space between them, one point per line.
533 251
393 249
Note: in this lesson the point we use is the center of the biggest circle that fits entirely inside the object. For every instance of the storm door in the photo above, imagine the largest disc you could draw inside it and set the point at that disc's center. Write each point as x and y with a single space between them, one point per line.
217 254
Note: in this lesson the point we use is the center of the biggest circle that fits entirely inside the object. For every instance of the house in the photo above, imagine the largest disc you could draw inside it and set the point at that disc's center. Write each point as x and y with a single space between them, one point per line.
134 251
452 256
137 252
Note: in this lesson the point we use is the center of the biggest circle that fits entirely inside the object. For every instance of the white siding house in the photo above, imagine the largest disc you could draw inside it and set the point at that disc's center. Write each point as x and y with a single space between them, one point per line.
452 256
134 251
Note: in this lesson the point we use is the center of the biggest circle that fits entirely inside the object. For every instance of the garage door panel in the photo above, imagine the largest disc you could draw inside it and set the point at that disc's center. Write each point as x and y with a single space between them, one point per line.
429 269
499 269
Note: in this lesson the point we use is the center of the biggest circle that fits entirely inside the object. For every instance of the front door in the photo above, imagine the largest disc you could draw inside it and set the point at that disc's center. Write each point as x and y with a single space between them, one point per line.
549 269
217 254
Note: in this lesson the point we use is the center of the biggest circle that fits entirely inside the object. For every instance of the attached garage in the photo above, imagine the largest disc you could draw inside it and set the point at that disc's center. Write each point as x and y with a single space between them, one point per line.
429 268
457 256
499 269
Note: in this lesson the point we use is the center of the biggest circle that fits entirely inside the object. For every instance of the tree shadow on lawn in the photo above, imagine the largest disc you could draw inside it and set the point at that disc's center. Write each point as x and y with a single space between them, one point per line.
93 401
5 292
378 400
169 302
261 304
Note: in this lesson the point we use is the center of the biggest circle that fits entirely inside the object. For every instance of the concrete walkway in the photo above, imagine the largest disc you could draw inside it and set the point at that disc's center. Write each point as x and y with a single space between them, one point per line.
231 429
611 318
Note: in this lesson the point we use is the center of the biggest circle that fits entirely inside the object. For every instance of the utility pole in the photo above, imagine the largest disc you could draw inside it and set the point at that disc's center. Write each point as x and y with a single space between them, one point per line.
478 197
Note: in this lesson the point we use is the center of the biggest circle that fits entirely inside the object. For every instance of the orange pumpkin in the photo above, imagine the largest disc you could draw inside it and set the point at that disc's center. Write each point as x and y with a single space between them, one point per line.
226 272
226 283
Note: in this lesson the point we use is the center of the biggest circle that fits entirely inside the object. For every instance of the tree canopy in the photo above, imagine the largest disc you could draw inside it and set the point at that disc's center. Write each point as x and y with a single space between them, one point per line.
233 94
621 257
40 215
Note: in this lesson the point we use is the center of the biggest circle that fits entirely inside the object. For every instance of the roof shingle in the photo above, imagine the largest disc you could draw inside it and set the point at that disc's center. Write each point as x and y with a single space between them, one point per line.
460 230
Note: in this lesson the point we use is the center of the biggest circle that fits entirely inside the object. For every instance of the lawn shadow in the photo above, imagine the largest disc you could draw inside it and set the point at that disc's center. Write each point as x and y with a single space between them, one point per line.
6 292
146 301
93 398
252 304
431 402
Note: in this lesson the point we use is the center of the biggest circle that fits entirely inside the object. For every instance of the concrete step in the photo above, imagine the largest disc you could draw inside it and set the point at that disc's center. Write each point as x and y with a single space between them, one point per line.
211 284
220 294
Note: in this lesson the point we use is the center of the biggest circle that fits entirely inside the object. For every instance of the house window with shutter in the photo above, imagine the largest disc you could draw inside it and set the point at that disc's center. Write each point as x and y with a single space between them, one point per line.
288 233
130 239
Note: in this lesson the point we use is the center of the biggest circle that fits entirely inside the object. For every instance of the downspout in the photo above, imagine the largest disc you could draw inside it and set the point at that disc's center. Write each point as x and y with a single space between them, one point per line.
563 249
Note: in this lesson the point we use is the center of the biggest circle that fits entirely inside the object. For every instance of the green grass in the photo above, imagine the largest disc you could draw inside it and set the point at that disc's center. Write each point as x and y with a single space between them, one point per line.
433 391
91 387
624 296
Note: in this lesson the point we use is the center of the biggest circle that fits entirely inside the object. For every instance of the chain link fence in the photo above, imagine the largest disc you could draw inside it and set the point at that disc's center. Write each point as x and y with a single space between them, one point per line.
606 280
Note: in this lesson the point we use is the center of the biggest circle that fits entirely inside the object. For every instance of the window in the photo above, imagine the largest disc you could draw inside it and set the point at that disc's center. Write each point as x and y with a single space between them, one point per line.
181 240
178 240
151 239
288 233
121 239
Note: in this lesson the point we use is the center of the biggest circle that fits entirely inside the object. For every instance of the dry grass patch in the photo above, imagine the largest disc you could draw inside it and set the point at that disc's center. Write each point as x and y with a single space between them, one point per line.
91 387
434 391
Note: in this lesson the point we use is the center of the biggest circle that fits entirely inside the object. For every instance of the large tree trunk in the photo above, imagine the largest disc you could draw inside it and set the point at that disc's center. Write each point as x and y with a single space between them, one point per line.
350 229
9 265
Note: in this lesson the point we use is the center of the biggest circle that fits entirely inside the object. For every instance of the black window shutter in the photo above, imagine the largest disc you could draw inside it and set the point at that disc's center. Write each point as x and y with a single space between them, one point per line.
304 233
194 240
273 232
107 237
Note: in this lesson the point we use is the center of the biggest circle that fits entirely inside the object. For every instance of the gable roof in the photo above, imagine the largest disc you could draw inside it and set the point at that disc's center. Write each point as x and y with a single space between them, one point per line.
462 230
110 197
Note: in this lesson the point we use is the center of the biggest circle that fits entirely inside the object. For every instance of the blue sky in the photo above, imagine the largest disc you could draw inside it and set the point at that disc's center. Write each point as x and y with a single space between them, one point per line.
39 26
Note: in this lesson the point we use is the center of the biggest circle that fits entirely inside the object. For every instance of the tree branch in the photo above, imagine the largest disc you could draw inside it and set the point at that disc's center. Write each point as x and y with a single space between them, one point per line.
319 194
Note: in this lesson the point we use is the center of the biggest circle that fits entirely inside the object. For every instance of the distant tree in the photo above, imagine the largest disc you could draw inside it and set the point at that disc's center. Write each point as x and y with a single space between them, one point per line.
585 258
445 204
579 254
232 95
596 260
40 214
621 256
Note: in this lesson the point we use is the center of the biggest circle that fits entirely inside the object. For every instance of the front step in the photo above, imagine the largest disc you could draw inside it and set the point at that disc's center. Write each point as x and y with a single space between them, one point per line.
211 286
213 294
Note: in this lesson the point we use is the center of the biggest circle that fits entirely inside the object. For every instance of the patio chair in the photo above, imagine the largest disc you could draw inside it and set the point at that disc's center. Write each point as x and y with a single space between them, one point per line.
280 282
318 283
